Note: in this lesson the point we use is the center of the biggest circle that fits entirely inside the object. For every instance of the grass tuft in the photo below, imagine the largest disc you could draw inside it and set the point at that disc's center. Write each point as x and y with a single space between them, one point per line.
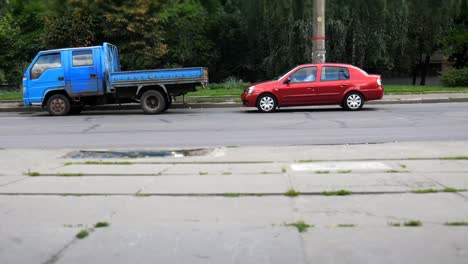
292 193
413 223
82 234
455 158
394 224
203 173
445 190
32 173
322 172
284 170
337 193
344 171
456 224
232 195
101 224
100 162
395 171
300 225
70 174
345 225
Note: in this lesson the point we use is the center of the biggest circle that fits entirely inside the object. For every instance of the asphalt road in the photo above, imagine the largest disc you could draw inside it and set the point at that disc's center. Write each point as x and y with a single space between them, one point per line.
236 127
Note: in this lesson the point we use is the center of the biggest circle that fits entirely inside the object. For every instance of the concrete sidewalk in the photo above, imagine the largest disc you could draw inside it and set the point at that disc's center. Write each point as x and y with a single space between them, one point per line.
235 204
16 106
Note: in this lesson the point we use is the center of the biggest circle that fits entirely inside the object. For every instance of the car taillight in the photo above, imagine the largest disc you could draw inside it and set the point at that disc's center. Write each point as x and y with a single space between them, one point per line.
379 81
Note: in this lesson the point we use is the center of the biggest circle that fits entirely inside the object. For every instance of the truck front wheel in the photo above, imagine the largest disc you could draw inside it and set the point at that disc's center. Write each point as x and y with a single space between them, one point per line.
58 105
153 102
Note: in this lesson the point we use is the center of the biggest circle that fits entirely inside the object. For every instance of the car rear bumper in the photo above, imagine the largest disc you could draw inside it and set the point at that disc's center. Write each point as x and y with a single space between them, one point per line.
374 94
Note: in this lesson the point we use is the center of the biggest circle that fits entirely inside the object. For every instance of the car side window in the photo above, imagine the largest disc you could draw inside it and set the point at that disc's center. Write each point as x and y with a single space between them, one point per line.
334 73
45 62
82 58
303 75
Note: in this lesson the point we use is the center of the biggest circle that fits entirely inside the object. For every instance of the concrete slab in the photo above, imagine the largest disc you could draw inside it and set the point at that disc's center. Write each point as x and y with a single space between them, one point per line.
219 184
387 245
78 185
132 169
188 244
361 182
5 180
33 245
379 210
250 211
43 212
235 168
453 180
341 165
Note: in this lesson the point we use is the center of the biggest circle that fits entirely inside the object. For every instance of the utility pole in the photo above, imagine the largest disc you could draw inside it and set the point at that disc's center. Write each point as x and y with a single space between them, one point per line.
318 39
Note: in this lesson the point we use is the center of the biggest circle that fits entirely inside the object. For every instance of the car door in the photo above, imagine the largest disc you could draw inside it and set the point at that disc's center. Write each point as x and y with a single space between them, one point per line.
46 73
83 72
334 80
299 87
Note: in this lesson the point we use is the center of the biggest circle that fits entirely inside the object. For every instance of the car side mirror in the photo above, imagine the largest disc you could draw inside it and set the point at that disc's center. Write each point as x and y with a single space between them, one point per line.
287 81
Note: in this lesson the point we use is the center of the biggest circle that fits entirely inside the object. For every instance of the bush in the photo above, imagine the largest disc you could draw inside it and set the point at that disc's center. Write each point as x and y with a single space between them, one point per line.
455 77
229 84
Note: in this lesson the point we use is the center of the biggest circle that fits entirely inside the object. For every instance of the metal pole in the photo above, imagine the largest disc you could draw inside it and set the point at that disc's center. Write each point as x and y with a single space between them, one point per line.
318 40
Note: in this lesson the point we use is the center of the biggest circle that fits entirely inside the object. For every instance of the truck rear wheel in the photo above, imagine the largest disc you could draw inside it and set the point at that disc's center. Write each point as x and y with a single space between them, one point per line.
153 102
58 105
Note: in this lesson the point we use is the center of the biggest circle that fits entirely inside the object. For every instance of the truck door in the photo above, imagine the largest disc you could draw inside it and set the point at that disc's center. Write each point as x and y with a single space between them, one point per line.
83 72
46 73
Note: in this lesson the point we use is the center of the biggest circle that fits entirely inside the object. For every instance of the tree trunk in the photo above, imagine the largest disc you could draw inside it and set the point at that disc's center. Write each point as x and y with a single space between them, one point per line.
424 69
415 74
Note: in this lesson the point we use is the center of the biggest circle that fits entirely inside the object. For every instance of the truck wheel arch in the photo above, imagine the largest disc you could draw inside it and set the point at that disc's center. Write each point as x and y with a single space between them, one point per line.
49 93
142 89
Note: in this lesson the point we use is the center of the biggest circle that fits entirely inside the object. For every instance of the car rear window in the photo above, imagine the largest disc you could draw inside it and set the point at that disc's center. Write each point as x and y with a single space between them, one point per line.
334 73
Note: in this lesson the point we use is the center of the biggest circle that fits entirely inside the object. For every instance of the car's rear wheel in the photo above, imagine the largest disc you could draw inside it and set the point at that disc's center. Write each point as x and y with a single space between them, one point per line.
353 101
267 103
153 102
58 105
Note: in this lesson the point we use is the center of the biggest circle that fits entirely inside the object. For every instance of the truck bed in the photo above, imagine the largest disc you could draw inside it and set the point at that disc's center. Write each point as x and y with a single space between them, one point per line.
163 76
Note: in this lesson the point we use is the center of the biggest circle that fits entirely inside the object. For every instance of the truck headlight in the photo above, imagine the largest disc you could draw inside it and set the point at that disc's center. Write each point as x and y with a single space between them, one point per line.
251 89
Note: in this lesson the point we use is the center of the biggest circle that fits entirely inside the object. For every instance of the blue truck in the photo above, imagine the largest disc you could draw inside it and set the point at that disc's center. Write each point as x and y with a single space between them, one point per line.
65 80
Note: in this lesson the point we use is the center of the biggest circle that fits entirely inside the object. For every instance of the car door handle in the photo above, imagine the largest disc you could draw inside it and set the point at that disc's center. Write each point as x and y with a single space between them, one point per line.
60 78
344 85
92 75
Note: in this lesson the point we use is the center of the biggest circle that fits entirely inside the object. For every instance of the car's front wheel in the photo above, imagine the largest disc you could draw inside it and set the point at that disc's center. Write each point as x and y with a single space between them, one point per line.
267 103
353 101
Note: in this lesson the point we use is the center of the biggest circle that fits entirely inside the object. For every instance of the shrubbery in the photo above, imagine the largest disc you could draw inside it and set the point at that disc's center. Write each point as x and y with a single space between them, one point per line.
455 77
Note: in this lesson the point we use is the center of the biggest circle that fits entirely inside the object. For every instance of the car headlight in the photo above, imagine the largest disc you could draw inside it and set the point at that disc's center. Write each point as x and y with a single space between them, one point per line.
251 89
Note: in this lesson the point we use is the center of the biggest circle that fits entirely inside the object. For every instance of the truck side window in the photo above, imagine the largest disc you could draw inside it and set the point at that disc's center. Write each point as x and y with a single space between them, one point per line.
45 62
82 58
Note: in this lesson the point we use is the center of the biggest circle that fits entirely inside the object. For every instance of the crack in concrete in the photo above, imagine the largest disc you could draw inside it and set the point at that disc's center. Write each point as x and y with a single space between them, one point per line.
15 181
91 128
54 258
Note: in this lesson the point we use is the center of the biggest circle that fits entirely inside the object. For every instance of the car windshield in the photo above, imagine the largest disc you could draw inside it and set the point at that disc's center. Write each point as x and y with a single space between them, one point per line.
281 76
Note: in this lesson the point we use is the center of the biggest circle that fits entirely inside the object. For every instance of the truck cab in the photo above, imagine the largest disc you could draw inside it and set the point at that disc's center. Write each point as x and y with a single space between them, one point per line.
64 80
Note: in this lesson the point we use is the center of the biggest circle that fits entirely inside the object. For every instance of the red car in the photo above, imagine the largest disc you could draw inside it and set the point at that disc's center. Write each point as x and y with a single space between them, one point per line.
316 84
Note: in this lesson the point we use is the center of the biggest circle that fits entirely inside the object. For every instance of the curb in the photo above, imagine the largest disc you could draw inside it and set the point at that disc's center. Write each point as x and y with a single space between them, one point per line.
225 105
